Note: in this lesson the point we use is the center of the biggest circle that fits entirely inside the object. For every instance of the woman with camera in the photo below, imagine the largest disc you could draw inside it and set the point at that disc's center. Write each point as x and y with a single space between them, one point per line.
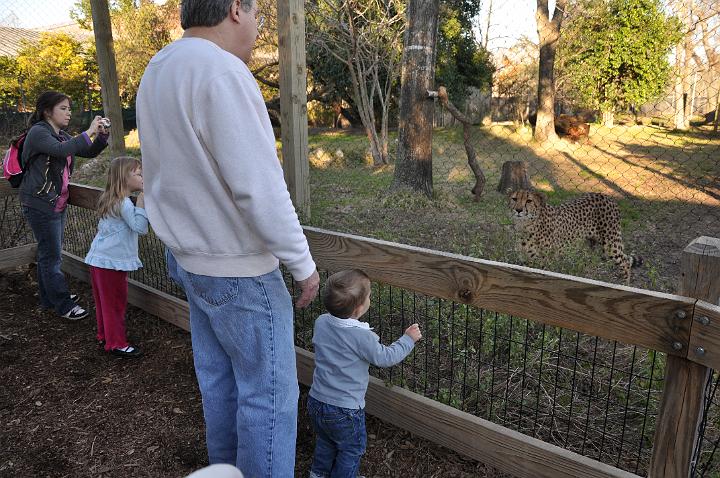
48 158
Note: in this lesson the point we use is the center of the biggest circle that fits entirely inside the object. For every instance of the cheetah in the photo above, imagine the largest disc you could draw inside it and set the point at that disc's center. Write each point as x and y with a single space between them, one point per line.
591 216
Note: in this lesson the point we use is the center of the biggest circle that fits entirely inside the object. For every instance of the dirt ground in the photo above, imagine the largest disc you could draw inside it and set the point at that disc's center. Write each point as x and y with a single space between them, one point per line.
68 409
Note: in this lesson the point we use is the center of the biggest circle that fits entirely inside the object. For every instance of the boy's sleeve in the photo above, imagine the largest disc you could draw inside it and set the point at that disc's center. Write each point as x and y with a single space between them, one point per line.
135 217
371 350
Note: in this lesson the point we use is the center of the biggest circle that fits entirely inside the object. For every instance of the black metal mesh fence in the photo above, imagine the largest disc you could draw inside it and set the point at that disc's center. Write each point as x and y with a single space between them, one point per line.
593 396
14 230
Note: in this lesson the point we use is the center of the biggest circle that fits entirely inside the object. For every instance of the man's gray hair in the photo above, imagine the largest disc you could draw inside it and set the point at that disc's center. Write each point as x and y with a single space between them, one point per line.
207 13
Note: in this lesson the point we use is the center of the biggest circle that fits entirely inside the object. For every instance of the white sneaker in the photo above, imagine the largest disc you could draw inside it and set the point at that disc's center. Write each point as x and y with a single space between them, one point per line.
76 313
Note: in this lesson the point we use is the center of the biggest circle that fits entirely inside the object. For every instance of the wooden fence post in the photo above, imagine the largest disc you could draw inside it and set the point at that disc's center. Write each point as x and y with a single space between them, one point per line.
293 101
678 420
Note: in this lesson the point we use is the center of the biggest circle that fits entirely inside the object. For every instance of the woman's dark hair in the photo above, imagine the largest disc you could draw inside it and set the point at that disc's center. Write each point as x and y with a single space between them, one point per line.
46 102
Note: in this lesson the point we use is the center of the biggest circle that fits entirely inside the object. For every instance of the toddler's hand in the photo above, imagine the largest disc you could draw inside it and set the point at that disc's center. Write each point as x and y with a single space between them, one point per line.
414 332
140 202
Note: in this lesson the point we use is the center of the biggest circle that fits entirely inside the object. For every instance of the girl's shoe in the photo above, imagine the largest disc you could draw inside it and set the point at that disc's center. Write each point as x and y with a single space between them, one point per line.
127 352
76 313
75 298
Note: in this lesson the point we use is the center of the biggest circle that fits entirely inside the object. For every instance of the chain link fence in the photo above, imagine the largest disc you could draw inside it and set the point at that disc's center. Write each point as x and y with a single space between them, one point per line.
657 155
596 397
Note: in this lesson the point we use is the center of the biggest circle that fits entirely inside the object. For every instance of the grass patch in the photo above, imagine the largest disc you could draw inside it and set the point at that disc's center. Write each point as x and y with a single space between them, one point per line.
660 178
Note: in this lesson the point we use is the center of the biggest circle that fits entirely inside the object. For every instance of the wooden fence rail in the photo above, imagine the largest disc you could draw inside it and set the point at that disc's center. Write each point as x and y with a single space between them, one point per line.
686 327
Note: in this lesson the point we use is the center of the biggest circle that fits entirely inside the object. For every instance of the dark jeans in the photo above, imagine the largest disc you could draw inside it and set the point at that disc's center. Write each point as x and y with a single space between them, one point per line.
340 439
48 229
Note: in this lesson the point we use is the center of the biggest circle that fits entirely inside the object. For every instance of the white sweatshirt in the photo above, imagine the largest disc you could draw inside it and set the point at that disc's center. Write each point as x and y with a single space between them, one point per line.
214 188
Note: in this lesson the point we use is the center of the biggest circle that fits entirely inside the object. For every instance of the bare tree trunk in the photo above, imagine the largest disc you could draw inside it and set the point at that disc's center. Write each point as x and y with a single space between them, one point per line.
364 104
717 111
693 89
477 190
679 110
549 33
514 177
414 155
487 27
108 73
713 58
683 57
608 119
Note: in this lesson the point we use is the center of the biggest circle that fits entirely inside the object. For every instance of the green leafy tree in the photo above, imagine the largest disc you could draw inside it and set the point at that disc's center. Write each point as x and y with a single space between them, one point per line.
140 32
11 93
58 62
615 53
461 61
140 29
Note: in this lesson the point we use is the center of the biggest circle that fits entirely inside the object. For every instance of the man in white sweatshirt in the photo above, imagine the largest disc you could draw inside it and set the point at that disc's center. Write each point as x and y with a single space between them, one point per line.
216 197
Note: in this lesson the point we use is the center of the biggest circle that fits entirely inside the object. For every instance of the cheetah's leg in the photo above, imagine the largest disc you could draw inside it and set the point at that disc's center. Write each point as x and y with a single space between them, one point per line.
613 247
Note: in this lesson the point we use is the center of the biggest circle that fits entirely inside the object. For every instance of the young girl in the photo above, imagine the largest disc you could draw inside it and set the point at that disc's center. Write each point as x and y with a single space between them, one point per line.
48 159
344 349
114 252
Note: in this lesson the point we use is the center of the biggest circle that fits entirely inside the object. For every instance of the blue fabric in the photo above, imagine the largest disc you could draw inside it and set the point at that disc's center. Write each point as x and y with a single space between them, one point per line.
242 339
340 439
48 228
115 245
342 358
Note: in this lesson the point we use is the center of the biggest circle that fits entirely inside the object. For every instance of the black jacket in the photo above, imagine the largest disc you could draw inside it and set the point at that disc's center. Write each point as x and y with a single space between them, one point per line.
44 157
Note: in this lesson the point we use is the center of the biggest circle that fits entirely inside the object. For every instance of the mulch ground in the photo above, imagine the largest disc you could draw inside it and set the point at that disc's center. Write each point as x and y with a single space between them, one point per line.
68 409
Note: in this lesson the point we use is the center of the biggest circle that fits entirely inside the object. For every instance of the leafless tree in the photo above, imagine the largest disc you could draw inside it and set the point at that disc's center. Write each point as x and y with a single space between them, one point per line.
366 36
549 34
700 20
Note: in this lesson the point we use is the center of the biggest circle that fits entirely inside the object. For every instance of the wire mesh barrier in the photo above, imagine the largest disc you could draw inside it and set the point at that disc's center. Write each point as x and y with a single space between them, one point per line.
647 138
707 457
595 397
14 230
590 395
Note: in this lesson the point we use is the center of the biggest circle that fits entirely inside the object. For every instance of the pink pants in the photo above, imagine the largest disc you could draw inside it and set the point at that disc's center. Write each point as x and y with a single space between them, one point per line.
110 289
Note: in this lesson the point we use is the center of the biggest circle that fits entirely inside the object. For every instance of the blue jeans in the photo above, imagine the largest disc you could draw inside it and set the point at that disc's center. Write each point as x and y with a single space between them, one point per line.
242 340
340 439
49 229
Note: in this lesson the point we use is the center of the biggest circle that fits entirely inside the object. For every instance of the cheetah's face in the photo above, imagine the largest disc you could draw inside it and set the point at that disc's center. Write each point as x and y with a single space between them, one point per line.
525 205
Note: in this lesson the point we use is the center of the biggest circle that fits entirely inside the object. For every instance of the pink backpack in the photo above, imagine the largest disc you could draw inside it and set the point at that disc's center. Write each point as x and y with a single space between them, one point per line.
12 164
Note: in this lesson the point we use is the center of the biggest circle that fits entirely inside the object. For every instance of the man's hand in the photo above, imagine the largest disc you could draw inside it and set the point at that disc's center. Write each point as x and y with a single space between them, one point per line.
309 289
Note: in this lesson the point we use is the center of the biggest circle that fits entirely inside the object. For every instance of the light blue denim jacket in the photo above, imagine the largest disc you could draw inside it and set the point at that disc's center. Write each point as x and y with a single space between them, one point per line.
115 245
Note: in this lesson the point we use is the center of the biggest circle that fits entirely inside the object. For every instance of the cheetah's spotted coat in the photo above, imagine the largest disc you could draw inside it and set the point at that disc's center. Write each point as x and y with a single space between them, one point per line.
592 216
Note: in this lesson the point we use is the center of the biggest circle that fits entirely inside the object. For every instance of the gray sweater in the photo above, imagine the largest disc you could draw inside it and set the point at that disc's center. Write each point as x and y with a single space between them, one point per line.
342 357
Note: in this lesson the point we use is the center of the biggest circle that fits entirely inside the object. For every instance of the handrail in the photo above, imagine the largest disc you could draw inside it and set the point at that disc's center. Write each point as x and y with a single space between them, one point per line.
654 320
684 327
